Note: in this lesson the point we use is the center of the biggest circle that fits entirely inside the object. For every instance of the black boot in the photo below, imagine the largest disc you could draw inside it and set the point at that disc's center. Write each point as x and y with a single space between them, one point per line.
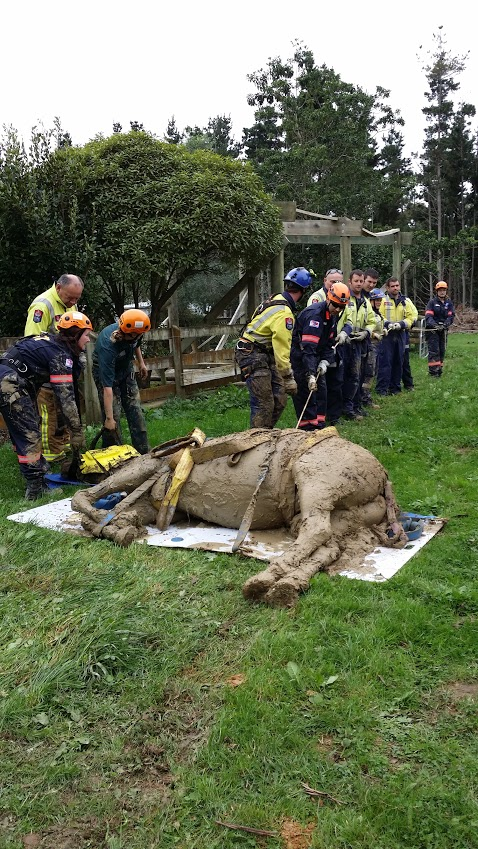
36 489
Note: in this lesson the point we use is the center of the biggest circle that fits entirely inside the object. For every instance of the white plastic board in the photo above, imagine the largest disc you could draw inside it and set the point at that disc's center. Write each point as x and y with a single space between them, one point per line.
380 565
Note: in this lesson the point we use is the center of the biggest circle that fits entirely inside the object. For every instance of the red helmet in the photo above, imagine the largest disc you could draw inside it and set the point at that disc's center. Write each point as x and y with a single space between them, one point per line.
74 319
134 321
441 285
339 294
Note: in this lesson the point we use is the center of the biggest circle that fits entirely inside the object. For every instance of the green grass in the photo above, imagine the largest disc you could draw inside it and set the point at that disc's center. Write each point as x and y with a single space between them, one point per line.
118 727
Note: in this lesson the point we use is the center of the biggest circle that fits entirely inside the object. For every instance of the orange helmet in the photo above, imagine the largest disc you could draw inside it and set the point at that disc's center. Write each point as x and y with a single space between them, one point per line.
74 319
441 285
339 294
134 321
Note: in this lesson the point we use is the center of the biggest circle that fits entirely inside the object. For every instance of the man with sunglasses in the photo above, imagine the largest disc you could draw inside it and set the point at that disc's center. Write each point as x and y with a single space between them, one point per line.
333 275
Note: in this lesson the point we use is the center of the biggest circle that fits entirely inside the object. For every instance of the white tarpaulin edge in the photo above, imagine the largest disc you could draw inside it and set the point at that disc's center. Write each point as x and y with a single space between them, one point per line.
379 565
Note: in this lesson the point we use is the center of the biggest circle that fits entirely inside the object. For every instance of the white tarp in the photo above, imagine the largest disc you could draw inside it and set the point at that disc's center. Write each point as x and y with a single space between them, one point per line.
380 565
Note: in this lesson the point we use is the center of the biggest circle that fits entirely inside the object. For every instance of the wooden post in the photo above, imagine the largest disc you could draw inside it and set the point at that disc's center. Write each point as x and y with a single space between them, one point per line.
175 339
397 255
346 257
252 293
92 404
277 273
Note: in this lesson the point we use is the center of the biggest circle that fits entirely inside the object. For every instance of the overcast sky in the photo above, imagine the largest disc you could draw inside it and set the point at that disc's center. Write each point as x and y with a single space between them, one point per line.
94 62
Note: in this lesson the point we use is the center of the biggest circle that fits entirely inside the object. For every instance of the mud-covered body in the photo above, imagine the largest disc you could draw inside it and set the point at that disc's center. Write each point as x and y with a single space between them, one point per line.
327 490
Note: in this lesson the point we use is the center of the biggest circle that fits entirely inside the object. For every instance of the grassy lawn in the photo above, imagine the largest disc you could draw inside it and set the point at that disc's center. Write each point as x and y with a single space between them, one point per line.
142 699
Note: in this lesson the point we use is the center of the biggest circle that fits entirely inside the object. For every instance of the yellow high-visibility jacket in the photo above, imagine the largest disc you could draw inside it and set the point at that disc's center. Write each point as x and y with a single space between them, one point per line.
402 310
317 297
44 313
272 327
359 315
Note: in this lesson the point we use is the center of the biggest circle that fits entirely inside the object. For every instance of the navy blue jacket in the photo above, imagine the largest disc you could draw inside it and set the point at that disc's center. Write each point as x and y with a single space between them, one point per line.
313 337
439 312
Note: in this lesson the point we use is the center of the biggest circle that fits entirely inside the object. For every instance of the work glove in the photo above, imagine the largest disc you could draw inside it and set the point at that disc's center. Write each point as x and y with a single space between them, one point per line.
77 441
384 332
395 326
312 383
360 336
290 385
376 335
343 338
441 327
322 368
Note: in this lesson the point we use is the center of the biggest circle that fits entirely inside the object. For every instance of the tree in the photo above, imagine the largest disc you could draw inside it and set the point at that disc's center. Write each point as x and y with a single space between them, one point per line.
38 223
441 72
216 137
315 136
172 135
155 215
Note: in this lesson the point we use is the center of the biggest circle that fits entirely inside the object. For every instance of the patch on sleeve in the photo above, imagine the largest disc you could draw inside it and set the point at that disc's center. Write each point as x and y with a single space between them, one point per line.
289 323
314 323
37 316
57 318
69 363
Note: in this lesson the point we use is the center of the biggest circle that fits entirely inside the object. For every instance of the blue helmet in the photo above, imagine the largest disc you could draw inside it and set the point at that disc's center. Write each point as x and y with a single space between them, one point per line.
376 295
300 276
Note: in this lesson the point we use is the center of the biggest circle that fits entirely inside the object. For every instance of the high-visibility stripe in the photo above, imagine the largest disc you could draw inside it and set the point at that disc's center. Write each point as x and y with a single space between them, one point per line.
308 338
429 312
61 378
310 421
435 364
28 458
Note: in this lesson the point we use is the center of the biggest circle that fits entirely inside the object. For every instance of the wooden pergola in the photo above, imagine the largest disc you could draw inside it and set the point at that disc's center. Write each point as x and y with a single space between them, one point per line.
311 228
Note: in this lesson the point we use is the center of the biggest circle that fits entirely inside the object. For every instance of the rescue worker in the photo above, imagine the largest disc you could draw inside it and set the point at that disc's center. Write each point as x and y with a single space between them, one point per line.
398 314
113 372
439 315
334 376
370 283
43 316
263 351
359 325
312 353
375 298
52 357
333 275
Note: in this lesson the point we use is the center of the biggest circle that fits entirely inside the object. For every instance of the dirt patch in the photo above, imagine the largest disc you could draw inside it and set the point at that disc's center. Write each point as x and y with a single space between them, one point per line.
326 744
459 690
81 835
466 320
295 835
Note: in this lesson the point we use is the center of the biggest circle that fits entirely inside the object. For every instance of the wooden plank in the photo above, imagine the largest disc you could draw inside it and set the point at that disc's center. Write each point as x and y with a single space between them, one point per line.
178 360
160 393
342 227
316 215
163 334
334 239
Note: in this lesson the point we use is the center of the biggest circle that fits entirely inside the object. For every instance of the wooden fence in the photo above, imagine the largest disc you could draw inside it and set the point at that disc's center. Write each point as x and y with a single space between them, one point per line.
176 373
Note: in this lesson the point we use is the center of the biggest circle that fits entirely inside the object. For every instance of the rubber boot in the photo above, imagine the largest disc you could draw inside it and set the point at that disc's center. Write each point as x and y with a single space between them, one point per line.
36 488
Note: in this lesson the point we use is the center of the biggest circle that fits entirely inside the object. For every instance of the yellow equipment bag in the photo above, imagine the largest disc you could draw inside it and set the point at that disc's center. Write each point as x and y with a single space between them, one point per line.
101 461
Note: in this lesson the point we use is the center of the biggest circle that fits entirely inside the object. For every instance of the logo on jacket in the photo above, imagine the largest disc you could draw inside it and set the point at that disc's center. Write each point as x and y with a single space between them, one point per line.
37 316
289 324
314 323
